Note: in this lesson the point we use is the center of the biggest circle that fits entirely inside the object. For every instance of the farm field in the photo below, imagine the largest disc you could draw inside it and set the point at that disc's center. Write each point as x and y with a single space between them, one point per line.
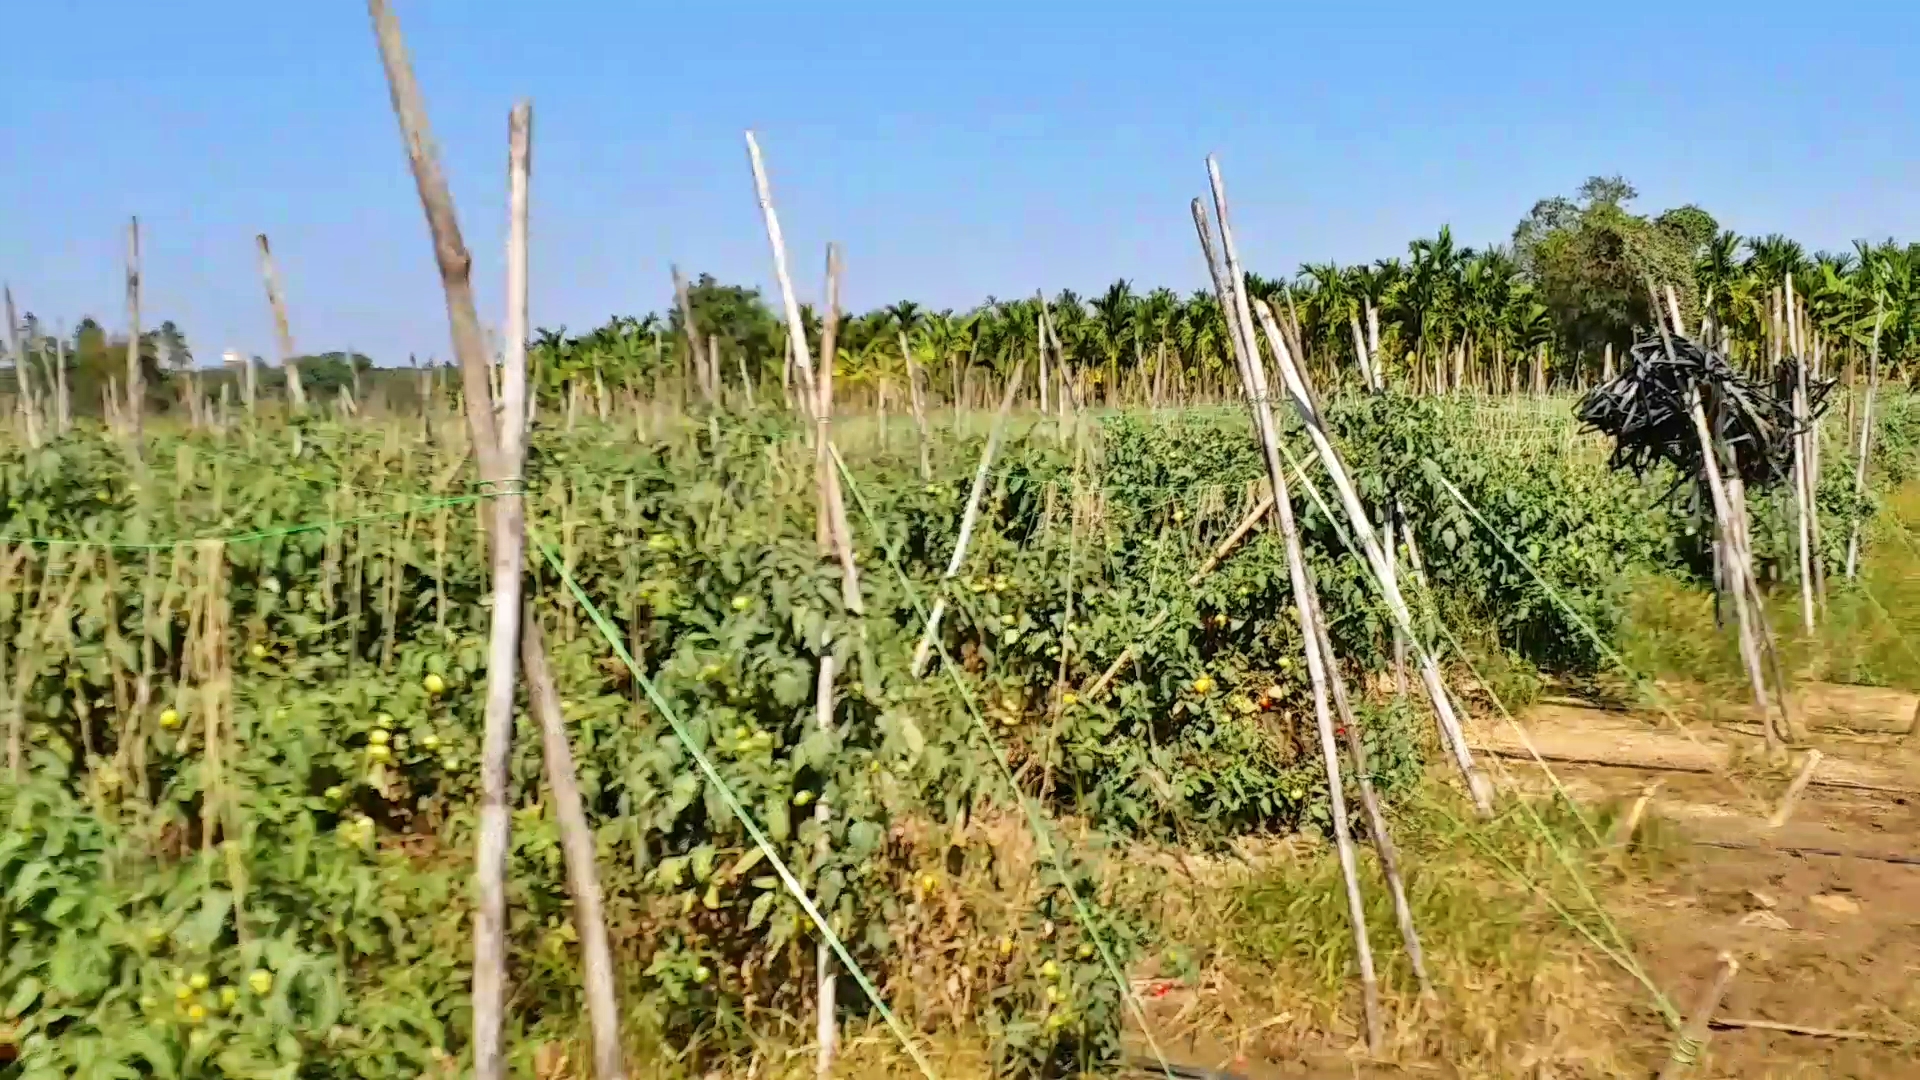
1491 662
252 756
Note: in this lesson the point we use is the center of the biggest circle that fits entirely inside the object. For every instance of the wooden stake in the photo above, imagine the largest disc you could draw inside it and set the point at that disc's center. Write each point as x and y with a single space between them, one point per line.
1866 439
136 375
696 347
501 460
1451 735
282 331
1693 1037
969 518
1229 286
818 388
1383 844
1799 785
917 399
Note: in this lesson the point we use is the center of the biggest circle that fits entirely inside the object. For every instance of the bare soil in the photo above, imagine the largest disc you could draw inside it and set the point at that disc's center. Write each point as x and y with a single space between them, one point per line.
1823 913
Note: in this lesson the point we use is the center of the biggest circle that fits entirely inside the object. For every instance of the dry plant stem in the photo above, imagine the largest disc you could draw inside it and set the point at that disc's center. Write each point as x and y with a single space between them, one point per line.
1866 441
282 330
1451 733
1253 381
1734 1024
1383 844
450 250
1794 790
136 384
1623 830
1692 1038
969 518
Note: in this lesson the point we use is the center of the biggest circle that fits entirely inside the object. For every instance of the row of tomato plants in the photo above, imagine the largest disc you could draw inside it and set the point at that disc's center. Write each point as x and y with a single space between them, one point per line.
293 899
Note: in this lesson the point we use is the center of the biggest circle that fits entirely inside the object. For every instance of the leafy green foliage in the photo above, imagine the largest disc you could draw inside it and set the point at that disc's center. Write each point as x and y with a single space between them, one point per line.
289 802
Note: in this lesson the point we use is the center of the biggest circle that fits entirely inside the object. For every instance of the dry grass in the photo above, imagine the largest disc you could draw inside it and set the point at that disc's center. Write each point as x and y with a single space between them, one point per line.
1252 969
1868 634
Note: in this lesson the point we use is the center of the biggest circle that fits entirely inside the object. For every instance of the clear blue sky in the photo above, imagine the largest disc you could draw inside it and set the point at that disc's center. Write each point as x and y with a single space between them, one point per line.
956 150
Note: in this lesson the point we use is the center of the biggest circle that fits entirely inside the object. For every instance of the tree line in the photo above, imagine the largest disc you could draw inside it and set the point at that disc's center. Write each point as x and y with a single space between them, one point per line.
1550 309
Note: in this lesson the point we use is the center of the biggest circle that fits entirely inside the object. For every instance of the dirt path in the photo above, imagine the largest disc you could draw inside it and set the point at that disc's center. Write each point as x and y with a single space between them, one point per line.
1826 940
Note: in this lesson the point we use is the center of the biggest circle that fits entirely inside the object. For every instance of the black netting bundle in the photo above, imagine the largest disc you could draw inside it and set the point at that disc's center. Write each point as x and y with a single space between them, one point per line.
1647 411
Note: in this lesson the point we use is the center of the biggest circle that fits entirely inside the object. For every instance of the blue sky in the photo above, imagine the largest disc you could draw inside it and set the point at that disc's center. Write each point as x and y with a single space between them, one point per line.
956 150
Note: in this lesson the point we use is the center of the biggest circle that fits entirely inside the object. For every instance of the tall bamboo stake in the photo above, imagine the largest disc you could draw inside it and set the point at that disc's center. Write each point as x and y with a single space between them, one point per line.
282 330
818 387
969 518
1803 528
23 374
136 377
62 399
696 351
501 470
1866 440
1383 844
1738 567
1233 302
1383 573
917 400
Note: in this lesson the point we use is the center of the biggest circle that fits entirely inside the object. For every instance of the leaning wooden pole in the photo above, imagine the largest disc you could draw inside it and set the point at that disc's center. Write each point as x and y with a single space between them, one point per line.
817 387
969 518
1226 274
1377 830
490 917
1451 733
136 375
1866 442
282 329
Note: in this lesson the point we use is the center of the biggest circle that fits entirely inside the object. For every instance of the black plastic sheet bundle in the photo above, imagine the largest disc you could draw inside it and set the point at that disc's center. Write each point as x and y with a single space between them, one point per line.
1647 411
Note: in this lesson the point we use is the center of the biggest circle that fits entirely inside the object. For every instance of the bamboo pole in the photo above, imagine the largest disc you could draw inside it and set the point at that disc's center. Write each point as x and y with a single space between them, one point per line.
62 395
1220 552
136 376
1377 829
818 387
917 400
1384 575
1227 275
1802 488
501 460
23 375
696 347
969 518
1692 1038
1866 441
282 330
1739 570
